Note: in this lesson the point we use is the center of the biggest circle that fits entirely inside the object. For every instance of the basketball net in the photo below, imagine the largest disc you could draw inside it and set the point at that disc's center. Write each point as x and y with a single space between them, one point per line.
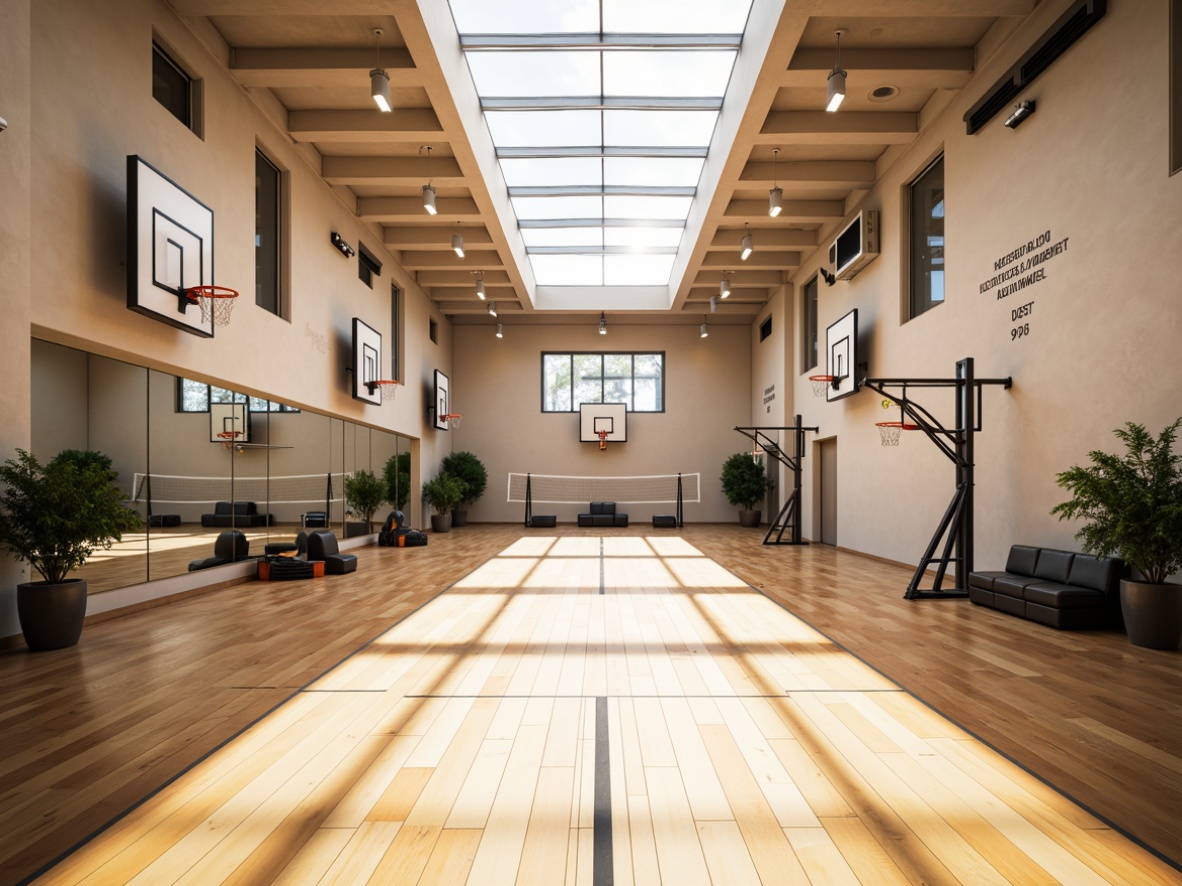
603 439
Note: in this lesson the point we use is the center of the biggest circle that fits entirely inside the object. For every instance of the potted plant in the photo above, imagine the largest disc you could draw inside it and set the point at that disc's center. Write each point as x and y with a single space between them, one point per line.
53 517
745 484
397 477
470 471
442 494
364 493
1131 505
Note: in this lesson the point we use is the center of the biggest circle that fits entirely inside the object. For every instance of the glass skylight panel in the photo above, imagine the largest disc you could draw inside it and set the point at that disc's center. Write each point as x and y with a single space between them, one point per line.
558 207
525 16
661 171
563 236
701 74
658 128
539 73
568 270
547 172
637 270
673 16
646 207
641 237
544 128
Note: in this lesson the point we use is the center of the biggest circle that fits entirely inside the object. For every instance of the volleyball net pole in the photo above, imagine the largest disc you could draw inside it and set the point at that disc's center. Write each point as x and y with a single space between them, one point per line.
764 443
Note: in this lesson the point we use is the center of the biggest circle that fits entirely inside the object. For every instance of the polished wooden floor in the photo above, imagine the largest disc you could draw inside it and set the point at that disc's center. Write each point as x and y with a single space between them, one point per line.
744 746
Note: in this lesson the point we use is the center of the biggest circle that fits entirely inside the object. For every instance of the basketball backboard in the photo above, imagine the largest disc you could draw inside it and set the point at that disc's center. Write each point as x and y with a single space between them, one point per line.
442 397
367 361
596 417
841 356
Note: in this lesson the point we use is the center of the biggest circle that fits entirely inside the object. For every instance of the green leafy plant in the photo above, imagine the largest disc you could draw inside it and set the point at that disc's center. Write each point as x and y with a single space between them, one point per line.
443 493
397 477
469 469
54 516
1131 504
364 493
743 481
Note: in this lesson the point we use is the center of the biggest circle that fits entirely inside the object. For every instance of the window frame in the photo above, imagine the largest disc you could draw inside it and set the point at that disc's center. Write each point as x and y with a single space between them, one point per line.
915 305
195 86
277 234
1175 87
603 378
369 268
396 326
810 308
273 406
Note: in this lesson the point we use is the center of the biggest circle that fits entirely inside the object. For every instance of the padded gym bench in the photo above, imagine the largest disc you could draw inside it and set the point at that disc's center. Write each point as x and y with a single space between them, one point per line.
1058 588
322 545
603 513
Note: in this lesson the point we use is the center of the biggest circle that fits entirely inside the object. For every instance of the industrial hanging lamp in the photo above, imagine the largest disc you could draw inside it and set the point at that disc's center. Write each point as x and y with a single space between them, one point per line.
775 197
480 293
457 241
428 188
836 79
379 80
747 244
724 287
602 324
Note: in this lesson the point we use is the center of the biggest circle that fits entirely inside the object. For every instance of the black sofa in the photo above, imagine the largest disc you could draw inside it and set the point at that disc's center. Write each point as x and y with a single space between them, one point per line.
603 513
322 545
230 547
1058 588
238 514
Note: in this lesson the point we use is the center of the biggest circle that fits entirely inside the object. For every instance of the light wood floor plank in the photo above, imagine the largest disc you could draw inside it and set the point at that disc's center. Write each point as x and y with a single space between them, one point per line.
726 854
544 854
451 859
403 859
315 857
361 854
679 854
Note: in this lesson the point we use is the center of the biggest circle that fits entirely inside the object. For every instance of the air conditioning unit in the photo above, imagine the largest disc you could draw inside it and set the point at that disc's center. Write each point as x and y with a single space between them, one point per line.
855 246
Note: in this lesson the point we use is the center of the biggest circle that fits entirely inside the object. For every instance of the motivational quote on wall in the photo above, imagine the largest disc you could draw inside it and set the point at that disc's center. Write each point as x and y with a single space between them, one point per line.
1016 271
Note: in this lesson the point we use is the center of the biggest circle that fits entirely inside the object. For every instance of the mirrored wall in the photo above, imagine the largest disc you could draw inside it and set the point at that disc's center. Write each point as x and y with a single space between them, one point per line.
196 460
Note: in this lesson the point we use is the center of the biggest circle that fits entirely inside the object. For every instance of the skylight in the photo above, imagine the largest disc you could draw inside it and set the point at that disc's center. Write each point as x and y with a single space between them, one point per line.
601 112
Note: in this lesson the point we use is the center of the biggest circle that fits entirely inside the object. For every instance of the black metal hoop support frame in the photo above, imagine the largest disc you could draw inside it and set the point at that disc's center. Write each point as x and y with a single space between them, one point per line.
956 526
789 516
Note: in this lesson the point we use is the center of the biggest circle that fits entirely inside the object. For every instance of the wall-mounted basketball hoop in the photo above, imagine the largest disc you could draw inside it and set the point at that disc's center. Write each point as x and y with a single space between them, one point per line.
228 438
821 383
386 387
216 302
603 434
454 420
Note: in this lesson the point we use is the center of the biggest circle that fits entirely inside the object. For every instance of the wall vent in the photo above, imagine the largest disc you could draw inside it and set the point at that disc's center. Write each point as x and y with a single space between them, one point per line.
1052 44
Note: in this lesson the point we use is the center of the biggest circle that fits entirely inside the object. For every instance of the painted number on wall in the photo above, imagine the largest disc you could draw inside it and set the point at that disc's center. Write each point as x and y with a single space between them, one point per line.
1022 329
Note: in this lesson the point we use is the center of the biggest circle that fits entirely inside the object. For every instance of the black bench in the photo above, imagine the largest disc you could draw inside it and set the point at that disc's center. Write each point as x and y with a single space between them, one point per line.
1058 588
239 514
603 513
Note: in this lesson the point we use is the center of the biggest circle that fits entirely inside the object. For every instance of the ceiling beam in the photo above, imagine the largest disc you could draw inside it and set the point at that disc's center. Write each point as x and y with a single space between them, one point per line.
727 239
371 125
460 278
818 173
845 127
283 7
431 260
390 171
395 210
928 8
745 280
935 68
433 237
758 259
818 211
316 66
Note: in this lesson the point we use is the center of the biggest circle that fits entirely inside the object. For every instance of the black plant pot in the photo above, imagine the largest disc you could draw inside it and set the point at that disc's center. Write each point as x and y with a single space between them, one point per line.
459 517
441 522
749 519
1152 613
51 615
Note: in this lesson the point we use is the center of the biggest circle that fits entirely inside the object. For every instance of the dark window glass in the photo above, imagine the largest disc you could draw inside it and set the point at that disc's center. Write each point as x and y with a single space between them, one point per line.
266 233
433 331
765 328
368 266
396 329
810 324
927 239
171 86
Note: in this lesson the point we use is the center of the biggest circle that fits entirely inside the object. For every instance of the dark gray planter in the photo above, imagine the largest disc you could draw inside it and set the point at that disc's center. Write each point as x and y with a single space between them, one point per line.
1152 613
749 518
441 522
459 517
51 615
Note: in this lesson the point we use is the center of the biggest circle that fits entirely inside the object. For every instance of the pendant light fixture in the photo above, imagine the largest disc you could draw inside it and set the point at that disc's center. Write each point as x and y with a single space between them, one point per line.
602 324
428 188
724 288
480 293
747 245
704 330
457 241
499 335
379 80
836 78
492 308
775 197
713 304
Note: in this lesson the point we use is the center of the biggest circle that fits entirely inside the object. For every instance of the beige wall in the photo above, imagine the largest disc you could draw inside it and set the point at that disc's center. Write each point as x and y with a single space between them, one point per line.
1089 166
497 386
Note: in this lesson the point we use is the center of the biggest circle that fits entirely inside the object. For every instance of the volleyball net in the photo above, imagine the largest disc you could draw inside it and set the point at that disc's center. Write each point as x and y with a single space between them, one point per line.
651 489
296 489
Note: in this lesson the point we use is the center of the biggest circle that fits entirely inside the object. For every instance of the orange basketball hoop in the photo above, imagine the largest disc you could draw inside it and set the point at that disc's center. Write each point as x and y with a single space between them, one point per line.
216 302
454 420
889 432
603 438
228 438
820 383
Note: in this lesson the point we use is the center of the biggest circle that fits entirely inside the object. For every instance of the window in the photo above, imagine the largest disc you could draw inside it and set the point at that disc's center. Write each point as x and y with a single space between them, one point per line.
433 331
175 88
195 396
396 330
266 233
637 380
1175 87
927 239
809 325
368 266
765 328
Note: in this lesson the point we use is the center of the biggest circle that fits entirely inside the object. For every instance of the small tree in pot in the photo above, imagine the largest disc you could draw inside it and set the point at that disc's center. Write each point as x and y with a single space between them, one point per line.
745 484
1131 505
53 517
470 471
443 494
364 493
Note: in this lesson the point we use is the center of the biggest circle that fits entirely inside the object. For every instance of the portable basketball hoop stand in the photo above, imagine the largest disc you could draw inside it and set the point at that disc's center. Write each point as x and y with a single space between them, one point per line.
956 526
789 516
